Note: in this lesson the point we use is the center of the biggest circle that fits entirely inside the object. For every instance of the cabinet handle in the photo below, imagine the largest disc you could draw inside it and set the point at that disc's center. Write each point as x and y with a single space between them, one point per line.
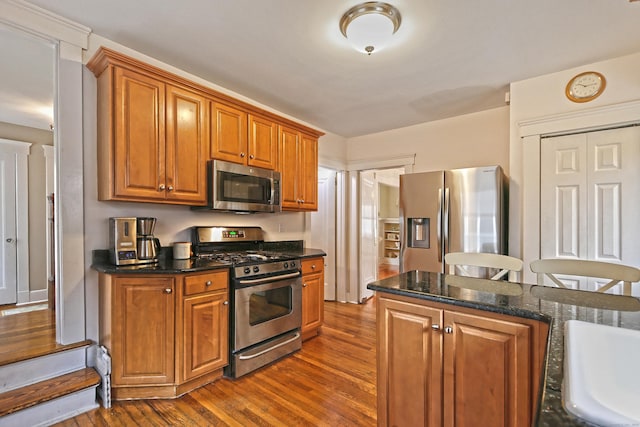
161 188
207 283
448 330
225 303
170 188
251 156
313 266
435 327
9 240
168 290
242 155
304 285
302 201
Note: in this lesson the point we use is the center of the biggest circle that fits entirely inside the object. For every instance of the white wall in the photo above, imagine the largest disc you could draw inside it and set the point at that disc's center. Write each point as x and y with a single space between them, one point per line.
542 99
478 139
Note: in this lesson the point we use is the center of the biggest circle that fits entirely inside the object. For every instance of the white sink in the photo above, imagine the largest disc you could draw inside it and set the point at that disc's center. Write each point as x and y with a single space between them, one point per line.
602 373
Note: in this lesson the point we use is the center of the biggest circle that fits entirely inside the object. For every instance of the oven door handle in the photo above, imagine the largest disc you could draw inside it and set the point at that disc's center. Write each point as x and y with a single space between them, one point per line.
280 344
268 279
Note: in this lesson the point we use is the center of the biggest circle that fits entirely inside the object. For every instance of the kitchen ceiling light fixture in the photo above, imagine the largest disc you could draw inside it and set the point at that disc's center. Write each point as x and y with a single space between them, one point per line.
369 26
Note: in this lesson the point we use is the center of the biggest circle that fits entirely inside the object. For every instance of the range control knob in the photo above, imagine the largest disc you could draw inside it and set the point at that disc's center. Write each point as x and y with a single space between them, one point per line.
256 269
292 264
286 265
247 270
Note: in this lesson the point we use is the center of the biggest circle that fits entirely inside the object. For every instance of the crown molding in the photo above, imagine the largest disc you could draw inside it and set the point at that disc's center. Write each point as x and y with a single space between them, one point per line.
34 19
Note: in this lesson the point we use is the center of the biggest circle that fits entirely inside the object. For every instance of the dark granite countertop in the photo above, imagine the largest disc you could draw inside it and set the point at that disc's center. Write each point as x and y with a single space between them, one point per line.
551 305
167 265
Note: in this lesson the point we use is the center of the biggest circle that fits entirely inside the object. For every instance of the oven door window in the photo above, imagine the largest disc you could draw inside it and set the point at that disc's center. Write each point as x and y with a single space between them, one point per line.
270 304
235 187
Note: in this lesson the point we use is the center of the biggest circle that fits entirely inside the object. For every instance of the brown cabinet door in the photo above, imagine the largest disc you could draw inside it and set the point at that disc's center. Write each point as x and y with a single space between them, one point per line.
228 133
263 143
143 330
486 372
289 166
409 364
139 145
309 173
312 296
205 333
186 146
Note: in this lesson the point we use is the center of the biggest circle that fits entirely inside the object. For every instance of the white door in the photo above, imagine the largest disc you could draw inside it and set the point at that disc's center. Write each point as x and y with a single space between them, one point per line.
589 194
368 234
323 228
8 232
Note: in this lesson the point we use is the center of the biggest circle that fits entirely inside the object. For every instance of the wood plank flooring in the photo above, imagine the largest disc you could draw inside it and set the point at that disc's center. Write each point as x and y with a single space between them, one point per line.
330 382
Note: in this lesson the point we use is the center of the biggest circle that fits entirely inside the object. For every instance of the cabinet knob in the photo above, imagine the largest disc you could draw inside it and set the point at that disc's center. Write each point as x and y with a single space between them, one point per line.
242 155
448 330
9 240
251 156
302 201
161 187
435 327
313 266
304 285
168 290
170 188
225 303
207 283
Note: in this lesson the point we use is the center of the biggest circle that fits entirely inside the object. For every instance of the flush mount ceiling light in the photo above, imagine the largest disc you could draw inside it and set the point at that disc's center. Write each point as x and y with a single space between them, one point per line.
369 26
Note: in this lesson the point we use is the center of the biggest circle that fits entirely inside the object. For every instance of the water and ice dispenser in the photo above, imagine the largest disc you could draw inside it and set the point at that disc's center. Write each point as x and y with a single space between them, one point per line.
418 233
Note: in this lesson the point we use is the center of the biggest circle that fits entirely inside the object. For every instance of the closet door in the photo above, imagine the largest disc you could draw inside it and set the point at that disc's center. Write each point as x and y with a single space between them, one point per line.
590 191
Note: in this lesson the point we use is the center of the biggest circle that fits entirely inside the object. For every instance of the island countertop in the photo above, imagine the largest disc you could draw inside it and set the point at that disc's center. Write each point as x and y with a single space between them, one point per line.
543 303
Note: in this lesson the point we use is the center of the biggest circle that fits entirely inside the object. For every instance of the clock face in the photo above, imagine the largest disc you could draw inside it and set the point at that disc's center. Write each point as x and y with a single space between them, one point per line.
585 86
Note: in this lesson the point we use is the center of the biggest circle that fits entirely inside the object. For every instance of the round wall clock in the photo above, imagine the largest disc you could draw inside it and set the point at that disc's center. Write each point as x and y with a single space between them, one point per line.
585 86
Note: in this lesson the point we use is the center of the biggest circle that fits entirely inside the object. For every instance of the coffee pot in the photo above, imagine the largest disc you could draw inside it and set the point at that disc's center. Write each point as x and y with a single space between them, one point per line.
148 246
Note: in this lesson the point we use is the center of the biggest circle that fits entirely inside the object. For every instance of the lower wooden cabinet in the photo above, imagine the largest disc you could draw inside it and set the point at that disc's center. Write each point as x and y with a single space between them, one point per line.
443 365
312 296
205 324
166 334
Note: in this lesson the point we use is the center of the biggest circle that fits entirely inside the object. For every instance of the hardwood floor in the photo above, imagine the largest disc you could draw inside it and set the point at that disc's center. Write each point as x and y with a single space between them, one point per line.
330 382
26 334
386 270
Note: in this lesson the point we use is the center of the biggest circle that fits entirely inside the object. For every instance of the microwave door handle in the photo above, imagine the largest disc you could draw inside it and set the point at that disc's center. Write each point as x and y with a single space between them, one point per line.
273 192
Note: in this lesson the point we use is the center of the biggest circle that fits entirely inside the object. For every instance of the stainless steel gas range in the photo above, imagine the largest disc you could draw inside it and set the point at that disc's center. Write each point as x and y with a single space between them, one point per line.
265 296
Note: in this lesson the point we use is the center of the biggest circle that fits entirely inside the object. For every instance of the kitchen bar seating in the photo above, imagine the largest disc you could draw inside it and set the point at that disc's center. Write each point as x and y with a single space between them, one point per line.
615 273
459 261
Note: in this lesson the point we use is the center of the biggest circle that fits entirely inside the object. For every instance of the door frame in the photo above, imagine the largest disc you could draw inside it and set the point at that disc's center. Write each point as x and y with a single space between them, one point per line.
21 150
531 133
349 291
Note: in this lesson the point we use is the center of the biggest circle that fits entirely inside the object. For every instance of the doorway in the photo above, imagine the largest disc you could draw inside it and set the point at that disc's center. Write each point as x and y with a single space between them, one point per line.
379 226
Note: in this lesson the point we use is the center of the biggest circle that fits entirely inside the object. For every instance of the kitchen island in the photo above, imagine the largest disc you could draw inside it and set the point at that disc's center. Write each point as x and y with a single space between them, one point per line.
529 310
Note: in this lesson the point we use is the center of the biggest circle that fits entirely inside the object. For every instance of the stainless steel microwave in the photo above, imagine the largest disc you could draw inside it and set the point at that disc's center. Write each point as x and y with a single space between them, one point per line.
240 188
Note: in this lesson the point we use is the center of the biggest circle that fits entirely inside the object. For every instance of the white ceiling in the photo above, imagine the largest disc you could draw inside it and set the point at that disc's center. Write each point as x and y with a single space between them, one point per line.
450 57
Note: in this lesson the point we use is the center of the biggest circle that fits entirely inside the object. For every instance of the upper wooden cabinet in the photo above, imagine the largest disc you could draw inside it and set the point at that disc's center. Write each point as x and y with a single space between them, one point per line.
298 165
263 142
243 138
156 131
151 139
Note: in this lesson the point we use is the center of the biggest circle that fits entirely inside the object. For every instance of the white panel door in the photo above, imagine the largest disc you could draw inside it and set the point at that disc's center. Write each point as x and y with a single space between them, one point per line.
590 193
368 234
8 232
323 228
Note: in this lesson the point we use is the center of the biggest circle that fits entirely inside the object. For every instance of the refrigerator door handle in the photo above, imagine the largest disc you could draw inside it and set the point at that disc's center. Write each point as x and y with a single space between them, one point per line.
439 225
445 242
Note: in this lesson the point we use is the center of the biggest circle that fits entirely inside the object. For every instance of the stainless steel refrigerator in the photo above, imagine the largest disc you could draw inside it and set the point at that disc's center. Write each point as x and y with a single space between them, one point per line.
459 210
